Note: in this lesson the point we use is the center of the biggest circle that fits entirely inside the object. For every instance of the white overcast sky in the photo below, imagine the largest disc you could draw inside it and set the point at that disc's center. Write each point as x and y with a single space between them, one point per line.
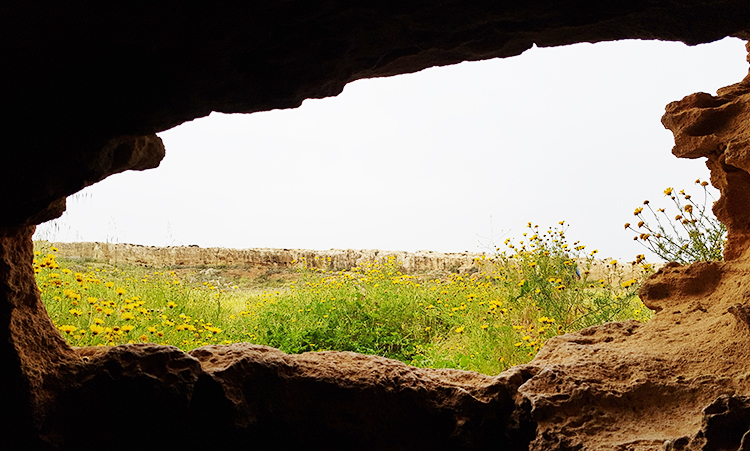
437 160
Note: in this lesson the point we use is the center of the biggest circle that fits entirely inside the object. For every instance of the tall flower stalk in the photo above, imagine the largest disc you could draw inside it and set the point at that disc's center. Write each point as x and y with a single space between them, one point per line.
693 234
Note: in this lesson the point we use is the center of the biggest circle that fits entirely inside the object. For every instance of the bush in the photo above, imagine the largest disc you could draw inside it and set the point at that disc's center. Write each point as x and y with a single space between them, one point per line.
544 273
693 235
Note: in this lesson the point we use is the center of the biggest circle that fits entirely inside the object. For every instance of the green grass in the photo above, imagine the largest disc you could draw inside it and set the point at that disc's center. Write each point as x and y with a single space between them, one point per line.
497 317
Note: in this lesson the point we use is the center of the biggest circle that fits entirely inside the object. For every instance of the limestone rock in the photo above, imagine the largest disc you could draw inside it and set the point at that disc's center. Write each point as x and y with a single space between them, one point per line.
30 346
636 386
353 401
718 128
333 259
674 284
124 397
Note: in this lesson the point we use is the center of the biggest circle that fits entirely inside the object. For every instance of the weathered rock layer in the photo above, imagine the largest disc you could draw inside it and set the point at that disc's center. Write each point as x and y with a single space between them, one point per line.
333 259
718 128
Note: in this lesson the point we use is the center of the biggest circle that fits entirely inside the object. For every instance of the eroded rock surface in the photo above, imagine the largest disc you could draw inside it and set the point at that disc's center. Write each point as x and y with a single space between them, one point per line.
330 260
635 386
245 396
718 128
333 259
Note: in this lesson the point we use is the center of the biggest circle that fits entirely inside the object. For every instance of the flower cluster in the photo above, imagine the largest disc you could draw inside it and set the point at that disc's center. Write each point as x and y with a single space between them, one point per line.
498 314
692 234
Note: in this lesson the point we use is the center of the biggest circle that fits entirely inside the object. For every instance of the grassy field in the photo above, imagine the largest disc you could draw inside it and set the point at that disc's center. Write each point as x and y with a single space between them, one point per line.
498 316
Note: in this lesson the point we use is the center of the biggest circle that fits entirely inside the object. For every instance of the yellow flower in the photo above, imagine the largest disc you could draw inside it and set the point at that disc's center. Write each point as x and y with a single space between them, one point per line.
627 224
109 284
628 283
68 329
127 316
72 294
96 329
668 192
484 326
459 329
75 312
688 208
119 291
127 328
638 211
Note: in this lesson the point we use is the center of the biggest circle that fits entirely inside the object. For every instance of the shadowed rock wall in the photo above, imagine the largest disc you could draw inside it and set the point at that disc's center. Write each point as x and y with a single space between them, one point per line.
85 87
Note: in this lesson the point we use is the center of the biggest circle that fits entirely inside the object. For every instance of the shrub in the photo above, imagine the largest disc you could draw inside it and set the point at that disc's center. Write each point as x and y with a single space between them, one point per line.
544 273
693 235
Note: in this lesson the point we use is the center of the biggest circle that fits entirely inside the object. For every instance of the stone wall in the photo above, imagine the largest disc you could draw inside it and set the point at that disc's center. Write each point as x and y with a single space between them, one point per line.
333 259
421 262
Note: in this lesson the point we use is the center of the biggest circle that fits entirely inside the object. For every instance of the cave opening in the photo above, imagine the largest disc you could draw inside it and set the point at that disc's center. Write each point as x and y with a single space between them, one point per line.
381 178
104 80
537 133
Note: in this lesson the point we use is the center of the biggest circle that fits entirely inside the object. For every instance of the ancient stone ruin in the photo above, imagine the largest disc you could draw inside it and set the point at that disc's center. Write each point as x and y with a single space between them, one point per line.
85 89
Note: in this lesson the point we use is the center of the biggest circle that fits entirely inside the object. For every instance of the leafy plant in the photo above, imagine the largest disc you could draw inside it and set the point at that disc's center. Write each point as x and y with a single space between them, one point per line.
498 315
545 273
693 234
